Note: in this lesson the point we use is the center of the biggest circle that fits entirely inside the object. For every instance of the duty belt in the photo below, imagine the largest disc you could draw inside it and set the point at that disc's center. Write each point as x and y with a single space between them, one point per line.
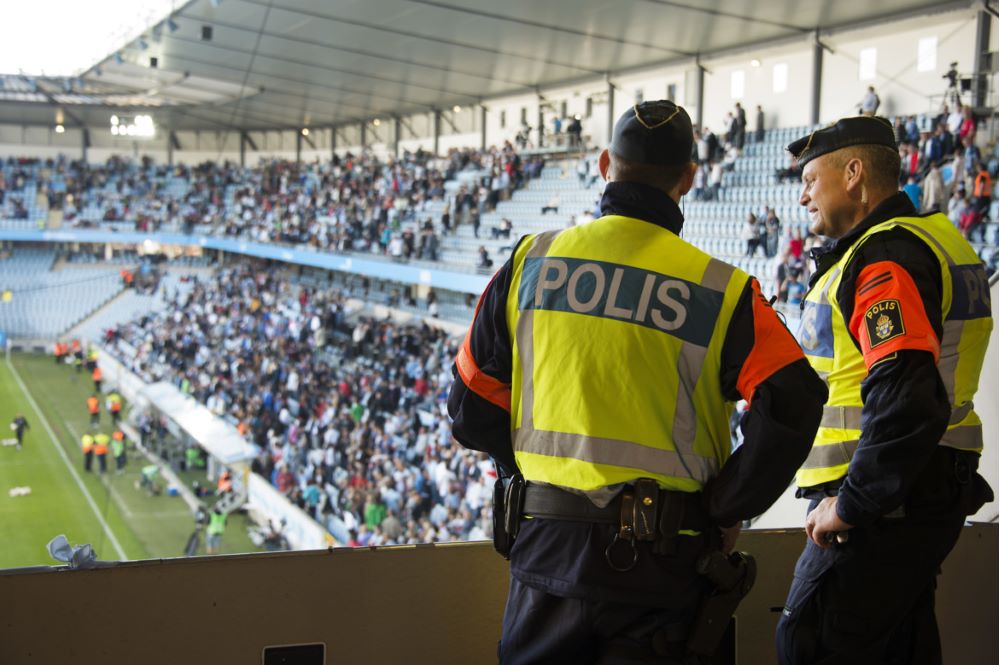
641 512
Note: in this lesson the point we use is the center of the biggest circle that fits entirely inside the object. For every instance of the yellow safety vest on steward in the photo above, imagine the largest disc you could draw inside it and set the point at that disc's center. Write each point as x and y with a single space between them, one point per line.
618 328
830 349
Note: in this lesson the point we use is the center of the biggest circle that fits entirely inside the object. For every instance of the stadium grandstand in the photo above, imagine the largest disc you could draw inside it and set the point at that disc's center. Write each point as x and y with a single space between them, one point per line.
242 240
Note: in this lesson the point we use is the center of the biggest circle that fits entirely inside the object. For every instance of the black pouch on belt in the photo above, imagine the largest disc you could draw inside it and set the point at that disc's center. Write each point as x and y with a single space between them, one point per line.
501 541
513 507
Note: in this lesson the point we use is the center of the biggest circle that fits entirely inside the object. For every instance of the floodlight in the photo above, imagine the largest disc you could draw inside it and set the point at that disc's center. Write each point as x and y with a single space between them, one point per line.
456 108
755 63
376 122
305 131
60 129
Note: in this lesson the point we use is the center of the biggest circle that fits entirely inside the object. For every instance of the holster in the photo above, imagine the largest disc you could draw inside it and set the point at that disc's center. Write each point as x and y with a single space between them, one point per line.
974 491
732 576
508 503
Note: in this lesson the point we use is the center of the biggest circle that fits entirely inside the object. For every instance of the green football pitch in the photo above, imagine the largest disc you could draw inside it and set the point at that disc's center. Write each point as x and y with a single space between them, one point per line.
54 495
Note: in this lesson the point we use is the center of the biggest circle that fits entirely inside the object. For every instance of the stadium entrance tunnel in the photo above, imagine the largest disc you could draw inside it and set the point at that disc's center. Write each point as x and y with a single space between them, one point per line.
409 604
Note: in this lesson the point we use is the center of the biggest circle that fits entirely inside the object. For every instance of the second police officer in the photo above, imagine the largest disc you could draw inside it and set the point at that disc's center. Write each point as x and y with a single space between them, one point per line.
897 321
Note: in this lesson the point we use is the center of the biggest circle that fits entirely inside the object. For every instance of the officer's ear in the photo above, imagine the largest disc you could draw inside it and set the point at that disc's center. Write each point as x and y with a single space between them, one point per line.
687 178
604 165
854 172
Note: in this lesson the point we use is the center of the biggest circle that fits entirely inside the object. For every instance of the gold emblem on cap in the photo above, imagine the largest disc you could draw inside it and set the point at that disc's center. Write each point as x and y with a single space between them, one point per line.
809 142
635 109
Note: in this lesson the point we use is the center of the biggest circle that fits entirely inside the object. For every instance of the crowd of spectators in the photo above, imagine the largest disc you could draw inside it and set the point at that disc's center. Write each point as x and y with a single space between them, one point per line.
943 169
349 412
357 203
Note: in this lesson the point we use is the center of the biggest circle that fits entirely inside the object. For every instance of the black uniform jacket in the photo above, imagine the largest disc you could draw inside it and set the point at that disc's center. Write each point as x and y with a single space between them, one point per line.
906 407
567 558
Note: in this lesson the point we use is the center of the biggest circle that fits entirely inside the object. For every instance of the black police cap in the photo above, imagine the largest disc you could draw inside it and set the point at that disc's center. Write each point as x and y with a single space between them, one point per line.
856 130
657 133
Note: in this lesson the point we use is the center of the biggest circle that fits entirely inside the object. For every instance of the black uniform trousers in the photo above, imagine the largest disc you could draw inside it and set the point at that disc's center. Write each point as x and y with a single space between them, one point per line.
586 625
539 627
870 600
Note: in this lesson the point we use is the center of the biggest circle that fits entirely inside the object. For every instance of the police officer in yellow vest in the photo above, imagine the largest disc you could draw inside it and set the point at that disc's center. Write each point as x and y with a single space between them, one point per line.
101 443
601 368
897 321
87 446
114 406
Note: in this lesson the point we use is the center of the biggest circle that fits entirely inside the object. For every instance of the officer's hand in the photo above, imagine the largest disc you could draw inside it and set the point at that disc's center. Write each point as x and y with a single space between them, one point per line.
729 536
823 520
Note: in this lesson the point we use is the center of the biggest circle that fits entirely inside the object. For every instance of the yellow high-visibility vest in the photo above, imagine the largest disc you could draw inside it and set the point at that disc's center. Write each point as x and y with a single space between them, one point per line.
618 328
830 349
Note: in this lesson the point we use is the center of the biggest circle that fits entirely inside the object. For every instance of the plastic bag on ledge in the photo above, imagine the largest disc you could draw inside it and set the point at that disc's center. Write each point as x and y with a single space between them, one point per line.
76 556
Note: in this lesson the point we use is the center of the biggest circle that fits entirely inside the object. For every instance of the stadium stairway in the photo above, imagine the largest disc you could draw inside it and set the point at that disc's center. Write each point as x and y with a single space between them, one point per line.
128 305
713 226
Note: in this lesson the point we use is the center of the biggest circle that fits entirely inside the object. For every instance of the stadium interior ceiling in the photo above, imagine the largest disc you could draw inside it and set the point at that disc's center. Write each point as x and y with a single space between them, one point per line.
284 64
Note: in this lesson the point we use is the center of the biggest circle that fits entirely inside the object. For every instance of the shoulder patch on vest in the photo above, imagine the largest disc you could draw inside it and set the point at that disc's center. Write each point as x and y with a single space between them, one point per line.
884 321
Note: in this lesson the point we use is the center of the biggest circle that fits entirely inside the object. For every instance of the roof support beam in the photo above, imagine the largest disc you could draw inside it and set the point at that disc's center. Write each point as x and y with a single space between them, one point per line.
453 126
85 143
817 80
397 130
541 120
298 148
437 130
980 63
699 85
611 106
364 132
482 127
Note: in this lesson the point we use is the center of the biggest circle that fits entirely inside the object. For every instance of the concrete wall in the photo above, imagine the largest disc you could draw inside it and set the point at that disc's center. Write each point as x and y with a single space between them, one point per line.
899 84
427 604
788 108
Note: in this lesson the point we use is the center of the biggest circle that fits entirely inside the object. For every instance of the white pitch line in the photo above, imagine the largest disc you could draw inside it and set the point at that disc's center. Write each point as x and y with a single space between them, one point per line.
69 465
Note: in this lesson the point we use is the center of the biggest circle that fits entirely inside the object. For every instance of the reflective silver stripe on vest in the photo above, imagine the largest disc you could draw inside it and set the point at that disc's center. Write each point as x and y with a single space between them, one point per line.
689 363
830 455
967 437
929 237
824 457
526 340
849 417
614 452
948 360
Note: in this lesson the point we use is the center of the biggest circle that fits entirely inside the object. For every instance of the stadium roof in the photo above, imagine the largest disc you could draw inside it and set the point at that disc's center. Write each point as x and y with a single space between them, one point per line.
269 64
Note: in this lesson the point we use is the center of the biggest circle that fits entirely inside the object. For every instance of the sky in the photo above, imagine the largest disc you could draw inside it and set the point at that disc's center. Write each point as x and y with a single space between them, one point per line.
67 37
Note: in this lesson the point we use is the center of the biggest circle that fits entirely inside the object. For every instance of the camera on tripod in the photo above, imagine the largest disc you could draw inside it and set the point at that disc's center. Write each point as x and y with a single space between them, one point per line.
952 75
